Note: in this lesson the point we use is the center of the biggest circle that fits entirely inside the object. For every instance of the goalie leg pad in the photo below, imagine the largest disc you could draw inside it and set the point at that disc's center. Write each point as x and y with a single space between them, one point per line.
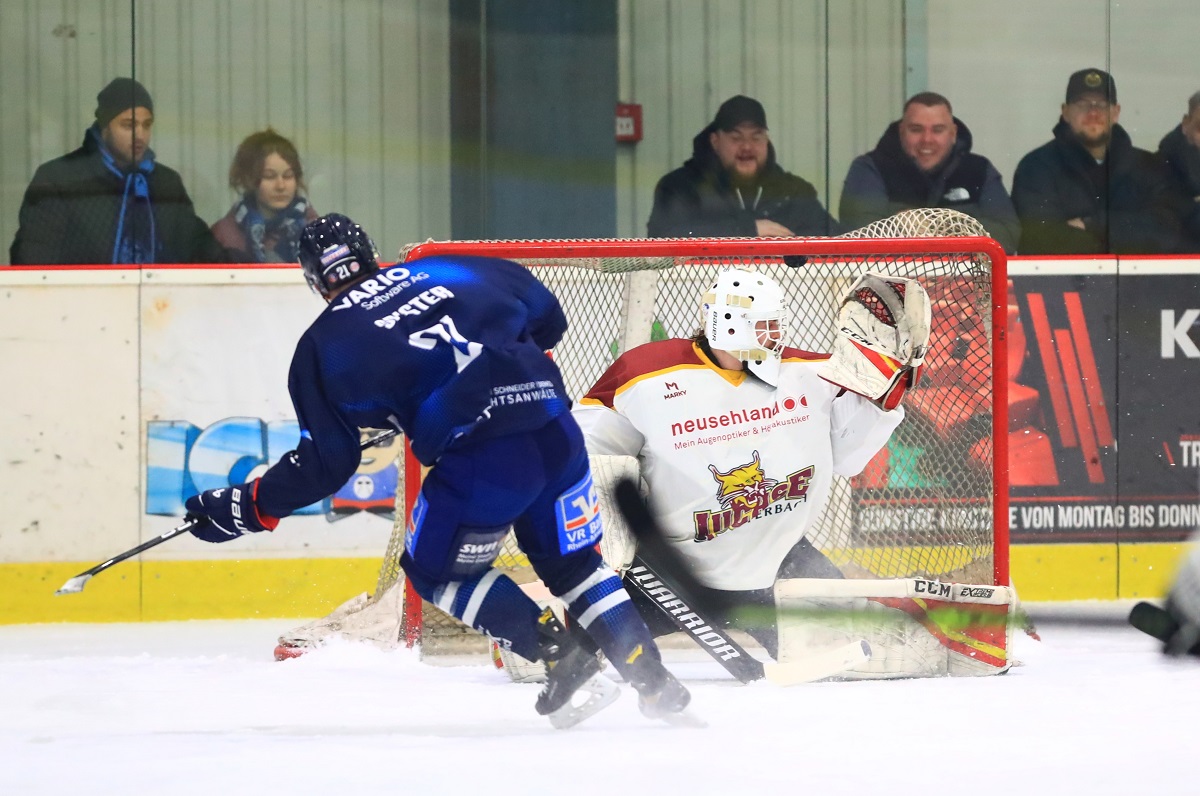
916 627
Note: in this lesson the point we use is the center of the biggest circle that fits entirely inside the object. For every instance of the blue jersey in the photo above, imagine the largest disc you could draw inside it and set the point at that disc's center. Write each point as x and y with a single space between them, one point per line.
449 349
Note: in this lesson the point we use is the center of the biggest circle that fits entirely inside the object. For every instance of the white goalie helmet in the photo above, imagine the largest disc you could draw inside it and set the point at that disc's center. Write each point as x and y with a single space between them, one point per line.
745 314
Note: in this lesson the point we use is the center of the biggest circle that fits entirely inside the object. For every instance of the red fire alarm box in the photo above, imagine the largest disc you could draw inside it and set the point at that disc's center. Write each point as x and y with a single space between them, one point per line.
629 122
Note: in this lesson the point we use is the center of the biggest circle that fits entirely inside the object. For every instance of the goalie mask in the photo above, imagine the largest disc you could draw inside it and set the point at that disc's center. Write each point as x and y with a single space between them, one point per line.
334 251
744 315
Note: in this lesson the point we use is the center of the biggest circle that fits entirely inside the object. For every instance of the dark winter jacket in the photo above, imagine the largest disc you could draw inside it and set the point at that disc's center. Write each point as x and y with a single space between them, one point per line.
1126 202
886 180
1183 165
72 210
699 200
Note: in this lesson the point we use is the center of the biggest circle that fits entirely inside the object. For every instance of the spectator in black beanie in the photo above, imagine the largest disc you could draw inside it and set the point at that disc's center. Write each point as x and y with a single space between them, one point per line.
109 201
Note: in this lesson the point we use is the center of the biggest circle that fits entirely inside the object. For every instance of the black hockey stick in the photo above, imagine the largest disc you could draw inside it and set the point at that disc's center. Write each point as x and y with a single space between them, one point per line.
1153 621
1159 623
667 592
76 584
686 617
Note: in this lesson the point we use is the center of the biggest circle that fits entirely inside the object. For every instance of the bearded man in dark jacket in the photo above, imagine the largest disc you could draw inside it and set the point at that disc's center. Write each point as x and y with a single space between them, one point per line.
109 201
925 160
1090 191
732 186
1180 149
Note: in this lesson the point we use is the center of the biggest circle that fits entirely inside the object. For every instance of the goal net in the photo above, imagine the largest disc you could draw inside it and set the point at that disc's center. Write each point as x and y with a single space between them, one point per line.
931 504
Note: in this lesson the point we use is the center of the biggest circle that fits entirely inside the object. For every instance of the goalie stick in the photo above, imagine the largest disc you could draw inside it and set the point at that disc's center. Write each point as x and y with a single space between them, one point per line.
76 584
708 635
718 644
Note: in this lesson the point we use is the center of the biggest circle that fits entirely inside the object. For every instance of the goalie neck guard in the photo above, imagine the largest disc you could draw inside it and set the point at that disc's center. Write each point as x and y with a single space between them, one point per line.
744 315
335 252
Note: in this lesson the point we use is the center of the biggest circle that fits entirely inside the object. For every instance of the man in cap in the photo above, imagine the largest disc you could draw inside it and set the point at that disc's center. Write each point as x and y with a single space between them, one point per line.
733 187
109 201
1090 191
925 160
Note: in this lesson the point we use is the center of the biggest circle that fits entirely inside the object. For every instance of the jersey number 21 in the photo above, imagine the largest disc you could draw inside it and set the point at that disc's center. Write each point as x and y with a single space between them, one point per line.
444 331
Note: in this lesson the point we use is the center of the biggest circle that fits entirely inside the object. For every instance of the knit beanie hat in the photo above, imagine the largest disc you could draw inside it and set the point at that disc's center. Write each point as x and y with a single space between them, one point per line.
120 95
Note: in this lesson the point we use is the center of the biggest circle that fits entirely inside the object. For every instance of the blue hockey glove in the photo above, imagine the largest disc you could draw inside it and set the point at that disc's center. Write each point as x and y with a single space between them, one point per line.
227 513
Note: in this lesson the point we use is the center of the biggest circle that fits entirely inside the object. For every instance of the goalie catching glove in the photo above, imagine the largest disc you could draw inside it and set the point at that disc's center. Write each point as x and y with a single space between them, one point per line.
882 337
227 513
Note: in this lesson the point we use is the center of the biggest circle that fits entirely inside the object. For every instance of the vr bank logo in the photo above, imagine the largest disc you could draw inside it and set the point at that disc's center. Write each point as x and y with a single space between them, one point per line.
182 460
1175 334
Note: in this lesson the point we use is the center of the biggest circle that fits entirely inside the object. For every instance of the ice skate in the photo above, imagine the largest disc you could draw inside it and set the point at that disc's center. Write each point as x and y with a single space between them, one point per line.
572 670
661 695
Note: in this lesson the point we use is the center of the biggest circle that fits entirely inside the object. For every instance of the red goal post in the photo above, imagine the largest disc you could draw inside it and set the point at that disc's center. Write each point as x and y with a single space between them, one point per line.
932 504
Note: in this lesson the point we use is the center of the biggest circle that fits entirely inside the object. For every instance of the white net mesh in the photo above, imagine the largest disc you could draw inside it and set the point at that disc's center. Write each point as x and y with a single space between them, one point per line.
923 222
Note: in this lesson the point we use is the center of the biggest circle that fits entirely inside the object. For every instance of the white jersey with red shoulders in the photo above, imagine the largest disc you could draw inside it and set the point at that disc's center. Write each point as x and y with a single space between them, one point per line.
737 469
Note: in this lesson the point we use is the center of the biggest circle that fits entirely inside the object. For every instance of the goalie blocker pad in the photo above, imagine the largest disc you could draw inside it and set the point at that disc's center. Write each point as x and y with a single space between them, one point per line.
881 338
916 627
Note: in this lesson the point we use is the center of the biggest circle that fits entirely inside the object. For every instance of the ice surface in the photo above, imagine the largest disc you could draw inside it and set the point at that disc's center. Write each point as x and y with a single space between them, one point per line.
202 708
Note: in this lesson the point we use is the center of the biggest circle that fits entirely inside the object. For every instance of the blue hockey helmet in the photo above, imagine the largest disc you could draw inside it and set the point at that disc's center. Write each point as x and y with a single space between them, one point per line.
334 252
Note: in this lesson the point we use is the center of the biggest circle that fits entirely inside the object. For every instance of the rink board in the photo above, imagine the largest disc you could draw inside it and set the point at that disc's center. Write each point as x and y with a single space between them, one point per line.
137 386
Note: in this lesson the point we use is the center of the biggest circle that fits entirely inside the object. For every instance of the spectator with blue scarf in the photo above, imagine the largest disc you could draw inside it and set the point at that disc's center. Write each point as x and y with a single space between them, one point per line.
110 201
264 225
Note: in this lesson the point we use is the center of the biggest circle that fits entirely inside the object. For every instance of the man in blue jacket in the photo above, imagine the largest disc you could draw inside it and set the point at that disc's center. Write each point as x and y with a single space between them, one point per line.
925 160
732 187
450 350
1090 190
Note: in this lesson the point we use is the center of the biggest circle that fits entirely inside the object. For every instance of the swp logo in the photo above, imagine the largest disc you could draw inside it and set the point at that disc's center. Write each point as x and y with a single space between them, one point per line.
183 459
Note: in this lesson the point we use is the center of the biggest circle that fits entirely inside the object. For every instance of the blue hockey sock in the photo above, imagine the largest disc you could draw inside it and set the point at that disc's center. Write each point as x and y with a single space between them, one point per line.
601 606
495 606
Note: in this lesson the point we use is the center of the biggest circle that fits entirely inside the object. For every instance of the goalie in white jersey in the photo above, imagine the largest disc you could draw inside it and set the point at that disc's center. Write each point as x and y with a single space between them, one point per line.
739 436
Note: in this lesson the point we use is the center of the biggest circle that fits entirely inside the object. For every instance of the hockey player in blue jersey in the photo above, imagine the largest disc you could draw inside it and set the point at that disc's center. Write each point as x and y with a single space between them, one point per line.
451 350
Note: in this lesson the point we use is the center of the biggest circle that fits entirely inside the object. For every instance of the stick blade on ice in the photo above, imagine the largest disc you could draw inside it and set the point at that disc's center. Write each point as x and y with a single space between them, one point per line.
819 664
74 585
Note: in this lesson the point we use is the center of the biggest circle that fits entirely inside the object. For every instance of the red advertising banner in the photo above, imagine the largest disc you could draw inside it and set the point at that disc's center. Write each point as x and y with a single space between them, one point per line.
1104 421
